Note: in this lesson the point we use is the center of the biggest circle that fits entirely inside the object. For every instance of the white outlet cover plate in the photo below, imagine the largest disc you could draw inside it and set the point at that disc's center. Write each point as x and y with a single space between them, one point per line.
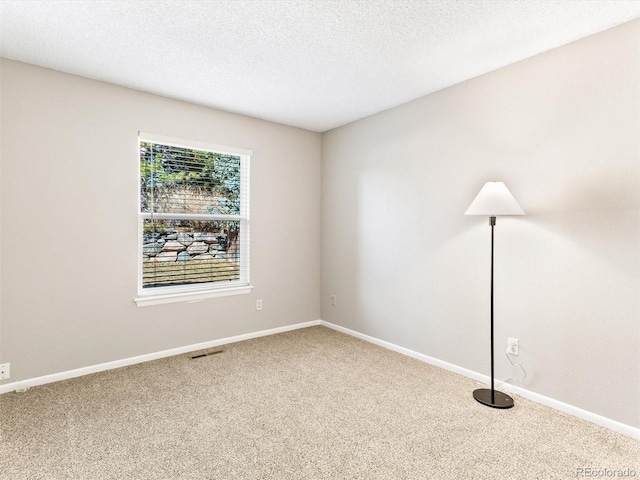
4 371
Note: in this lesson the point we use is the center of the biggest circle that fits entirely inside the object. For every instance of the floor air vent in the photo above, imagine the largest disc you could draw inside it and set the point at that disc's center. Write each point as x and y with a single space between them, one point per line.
206 354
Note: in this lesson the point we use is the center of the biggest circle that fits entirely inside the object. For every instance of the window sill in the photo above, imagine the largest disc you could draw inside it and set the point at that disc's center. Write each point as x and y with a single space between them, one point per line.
190 297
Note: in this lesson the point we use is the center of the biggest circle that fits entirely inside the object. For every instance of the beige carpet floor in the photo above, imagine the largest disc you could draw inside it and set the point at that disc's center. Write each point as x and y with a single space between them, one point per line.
307 404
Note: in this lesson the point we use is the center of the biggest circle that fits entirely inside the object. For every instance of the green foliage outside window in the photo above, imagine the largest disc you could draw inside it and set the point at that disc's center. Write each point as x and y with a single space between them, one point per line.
184 180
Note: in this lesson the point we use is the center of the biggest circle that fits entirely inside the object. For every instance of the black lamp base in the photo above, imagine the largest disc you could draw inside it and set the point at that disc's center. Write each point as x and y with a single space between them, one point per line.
500 400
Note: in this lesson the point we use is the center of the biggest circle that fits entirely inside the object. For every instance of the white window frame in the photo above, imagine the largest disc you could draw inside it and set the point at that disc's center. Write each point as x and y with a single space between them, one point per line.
202 291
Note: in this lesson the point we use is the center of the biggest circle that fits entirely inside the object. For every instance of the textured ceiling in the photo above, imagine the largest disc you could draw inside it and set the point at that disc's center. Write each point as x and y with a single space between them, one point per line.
311 64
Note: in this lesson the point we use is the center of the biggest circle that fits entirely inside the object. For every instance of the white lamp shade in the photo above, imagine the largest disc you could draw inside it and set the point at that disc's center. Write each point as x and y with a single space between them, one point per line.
493 200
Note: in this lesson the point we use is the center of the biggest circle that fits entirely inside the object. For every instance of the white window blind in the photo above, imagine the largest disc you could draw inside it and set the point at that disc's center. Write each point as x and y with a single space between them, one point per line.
194 216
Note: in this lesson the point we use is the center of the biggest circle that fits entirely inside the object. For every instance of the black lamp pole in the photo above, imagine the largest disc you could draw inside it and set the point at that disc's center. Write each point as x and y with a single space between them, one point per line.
492 398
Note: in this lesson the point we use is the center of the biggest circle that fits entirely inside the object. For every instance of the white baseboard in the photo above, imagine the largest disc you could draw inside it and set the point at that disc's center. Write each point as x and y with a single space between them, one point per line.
563 407
78 372
614 425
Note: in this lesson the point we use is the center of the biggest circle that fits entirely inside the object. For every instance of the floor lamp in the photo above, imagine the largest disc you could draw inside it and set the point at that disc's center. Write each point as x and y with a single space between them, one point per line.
494 200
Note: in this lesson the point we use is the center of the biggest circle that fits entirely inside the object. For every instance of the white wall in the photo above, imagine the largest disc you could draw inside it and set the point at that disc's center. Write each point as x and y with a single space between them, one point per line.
70 168
562 130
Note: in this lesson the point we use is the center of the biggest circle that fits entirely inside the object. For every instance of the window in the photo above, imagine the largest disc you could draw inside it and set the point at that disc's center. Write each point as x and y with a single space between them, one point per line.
193 220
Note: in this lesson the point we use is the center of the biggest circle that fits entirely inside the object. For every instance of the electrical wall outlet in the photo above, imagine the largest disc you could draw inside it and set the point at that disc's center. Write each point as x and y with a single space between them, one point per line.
512 346
333 300
258 304
4 371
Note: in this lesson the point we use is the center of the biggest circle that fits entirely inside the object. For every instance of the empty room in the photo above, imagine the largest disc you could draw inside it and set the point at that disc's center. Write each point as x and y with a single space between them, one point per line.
305 239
